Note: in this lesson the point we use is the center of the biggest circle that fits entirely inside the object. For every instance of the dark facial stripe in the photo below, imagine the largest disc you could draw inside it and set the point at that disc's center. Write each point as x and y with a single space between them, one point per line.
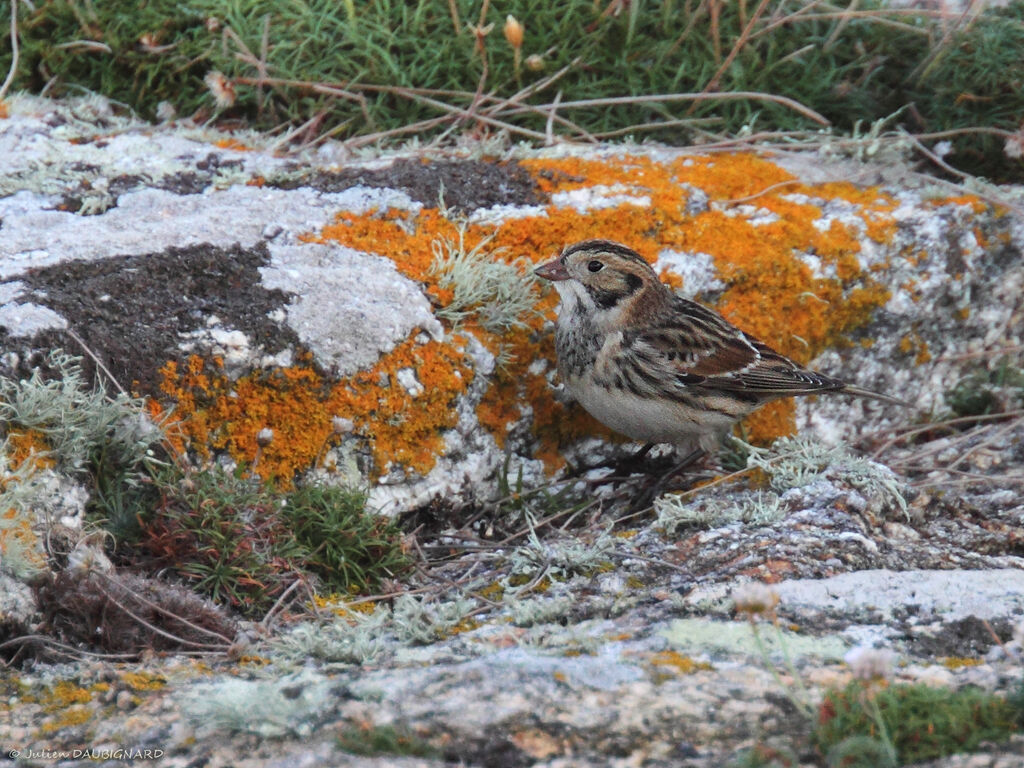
605 299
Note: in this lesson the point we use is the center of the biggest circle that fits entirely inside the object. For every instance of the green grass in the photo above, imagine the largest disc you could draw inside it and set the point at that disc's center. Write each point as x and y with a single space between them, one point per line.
243 543
868 725
850 67
384 740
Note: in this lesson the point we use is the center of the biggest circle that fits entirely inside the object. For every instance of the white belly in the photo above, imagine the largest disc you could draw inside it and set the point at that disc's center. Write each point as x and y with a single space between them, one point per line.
647 420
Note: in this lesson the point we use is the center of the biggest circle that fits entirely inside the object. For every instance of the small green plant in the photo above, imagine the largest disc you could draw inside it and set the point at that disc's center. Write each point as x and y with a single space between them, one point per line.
372 741
106 441
243 543
223 534
346 547
988 391
420 69
764 756
871 724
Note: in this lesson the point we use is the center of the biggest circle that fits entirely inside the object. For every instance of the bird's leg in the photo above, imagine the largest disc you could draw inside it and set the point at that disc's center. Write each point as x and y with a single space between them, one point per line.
627 466
647 496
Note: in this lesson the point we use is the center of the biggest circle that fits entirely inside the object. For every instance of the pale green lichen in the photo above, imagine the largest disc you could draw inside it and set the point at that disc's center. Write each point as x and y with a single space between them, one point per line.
355 638
759 508
561 557
292 705
77 419
417 621
496 293
795 462
543 609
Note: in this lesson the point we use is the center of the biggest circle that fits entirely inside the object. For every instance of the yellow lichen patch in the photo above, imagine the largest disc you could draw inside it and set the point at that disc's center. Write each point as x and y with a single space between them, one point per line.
298 404
231 143
679 663
68 718
958 662
912 343
64 694
143 681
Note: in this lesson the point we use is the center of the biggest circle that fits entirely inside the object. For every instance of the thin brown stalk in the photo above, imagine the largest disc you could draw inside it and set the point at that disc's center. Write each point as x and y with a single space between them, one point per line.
549 128
422 125
736 48
838 29
694 17
762 193
669 97
946 44
468 113
986 442
453 8
875 16
99 363
261 66
71 651
716 9
654 126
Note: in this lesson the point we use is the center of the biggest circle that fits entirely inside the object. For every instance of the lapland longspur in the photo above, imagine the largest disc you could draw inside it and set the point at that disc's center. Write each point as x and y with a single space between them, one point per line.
654 366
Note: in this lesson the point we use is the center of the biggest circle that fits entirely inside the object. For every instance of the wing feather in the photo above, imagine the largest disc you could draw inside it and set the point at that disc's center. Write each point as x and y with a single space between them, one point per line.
694 347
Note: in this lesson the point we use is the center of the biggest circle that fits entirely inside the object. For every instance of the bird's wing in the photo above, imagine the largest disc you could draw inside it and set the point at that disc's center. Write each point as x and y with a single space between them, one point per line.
693 346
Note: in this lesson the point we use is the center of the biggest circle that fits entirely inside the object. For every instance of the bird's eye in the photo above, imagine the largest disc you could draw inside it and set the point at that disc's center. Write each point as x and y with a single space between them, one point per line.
595 266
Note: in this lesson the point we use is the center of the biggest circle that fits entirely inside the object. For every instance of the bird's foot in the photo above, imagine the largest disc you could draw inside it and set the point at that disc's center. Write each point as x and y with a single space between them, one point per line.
646 496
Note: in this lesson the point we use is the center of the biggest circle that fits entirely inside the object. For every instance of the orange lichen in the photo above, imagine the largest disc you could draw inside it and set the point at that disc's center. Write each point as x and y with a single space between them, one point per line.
232 143
912 343
770 291
798 286
4 111
29 445
678 662
298 404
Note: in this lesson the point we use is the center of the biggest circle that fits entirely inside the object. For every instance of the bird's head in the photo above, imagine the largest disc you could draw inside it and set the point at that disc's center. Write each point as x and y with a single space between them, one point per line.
601 277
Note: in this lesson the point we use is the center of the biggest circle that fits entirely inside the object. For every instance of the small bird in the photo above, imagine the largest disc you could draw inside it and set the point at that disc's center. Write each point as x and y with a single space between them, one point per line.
656 367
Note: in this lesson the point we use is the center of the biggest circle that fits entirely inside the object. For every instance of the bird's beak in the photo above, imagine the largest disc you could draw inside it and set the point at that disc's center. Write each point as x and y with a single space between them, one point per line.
553 270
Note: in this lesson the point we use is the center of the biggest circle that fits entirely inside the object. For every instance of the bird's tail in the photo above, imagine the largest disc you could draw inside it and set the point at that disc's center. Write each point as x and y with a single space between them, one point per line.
849 389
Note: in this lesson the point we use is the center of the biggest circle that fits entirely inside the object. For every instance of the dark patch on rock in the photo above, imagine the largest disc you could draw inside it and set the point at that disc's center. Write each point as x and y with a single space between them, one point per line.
468 184
493 750
184 183
132 310
213 162
966 638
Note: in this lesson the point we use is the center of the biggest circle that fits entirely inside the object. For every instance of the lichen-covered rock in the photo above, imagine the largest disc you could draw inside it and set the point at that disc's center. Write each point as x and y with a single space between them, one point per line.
351 291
